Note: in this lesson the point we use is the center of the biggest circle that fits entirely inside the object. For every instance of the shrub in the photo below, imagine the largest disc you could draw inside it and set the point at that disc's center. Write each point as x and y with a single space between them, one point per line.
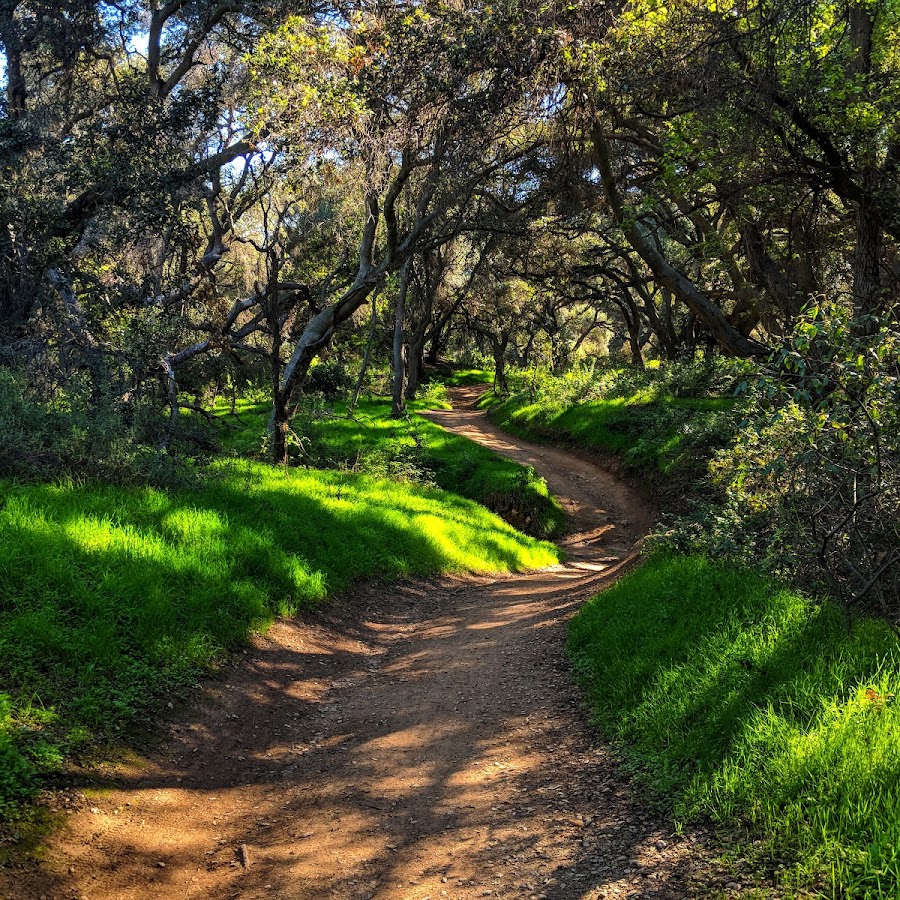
76 433
818 459
331 378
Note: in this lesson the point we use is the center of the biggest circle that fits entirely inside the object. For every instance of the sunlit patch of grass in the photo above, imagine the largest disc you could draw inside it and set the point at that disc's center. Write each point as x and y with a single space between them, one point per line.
413 449
464 377
738 699
111 596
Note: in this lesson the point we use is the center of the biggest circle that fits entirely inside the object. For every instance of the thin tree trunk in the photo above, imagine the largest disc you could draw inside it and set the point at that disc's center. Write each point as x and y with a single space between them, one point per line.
415 363
434 349
366 357
867 292
498 345
634 343
281 418
398 405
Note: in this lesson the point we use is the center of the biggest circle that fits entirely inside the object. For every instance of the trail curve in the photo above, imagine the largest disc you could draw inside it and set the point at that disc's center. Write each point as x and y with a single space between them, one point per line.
414 742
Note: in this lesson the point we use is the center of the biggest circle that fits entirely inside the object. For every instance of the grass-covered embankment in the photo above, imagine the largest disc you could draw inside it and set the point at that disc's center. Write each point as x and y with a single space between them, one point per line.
111 596
414 448
664 423
462 377
743 701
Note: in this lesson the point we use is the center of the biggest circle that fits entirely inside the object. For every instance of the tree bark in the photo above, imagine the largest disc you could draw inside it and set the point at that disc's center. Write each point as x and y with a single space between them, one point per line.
320 328
398 405
867 287
498 348
415 362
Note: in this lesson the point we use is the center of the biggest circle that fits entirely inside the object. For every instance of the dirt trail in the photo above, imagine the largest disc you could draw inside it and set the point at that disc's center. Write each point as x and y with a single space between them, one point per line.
420 741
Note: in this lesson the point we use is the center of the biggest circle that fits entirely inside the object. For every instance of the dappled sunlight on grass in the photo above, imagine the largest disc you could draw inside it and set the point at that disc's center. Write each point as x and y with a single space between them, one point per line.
411 449
652 430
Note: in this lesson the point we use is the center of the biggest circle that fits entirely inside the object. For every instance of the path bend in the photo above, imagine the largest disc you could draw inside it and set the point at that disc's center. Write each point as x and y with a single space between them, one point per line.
420 741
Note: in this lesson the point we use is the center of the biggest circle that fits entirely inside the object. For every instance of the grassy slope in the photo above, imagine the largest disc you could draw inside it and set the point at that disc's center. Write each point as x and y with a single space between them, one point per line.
653 432
739 699
664 438
110 596
416 447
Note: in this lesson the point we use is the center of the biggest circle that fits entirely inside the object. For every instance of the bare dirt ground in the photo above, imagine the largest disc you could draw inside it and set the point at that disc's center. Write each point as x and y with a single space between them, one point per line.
421 740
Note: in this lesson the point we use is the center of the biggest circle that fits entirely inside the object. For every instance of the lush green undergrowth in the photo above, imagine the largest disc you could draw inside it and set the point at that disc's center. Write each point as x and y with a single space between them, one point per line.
463 377
743 701
415 449
664 423
110 596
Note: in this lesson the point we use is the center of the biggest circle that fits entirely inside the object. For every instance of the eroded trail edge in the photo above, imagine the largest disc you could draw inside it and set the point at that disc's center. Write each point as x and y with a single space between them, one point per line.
421 740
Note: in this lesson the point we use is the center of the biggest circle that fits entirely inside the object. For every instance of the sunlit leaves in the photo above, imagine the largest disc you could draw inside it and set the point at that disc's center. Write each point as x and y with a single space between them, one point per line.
307 74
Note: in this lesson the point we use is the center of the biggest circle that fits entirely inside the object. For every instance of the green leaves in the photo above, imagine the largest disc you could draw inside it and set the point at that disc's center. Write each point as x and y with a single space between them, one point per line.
306 77
821 454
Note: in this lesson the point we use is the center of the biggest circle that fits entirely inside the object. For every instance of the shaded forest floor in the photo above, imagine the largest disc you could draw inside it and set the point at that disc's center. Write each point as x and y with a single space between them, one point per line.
420 740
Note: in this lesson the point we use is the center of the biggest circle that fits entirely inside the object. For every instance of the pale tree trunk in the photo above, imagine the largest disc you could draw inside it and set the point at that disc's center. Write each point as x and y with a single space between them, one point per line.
320 330
321 327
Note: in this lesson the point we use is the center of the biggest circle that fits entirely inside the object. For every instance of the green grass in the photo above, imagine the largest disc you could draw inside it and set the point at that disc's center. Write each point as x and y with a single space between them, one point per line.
416 449
660 433
738 699
112 596
464 377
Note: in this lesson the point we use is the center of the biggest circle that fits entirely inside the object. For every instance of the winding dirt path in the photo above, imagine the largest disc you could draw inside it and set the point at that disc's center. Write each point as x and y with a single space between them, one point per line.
418 741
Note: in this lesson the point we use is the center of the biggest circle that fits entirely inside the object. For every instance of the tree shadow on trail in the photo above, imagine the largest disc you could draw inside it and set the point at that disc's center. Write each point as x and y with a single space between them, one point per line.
426 739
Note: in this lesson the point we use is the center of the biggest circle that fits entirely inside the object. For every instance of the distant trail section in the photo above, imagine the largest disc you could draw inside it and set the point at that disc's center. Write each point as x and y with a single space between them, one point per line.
411 742
605 516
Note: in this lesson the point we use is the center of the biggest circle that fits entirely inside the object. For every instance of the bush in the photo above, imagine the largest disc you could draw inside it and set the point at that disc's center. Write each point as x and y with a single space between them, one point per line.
75 433
331 378
817 464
